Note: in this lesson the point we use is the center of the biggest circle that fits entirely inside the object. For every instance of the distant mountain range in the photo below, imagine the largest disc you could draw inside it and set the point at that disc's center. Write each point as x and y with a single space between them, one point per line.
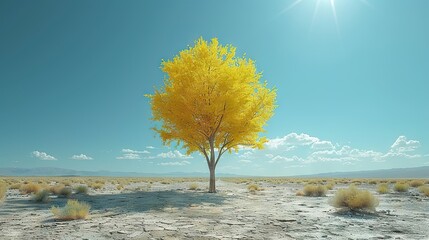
48 171
416 172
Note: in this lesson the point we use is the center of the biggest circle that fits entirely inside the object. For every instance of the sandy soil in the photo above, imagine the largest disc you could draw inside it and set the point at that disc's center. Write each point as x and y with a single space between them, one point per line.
171 211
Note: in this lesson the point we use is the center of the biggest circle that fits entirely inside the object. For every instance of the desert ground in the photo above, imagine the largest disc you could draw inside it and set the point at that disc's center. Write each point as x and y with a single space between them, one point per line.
182 209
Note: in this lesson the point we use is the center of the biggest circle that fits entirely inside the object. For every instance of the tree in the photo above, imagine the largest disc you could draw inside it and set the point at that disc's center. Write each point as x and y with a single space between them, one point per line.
212 102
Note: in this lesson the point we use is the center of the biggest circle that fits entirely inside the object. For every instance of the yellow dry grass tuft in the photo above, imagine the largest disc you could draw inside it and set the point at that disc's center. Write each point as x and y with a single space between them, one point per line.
3 190
354 199
315 190
383 188
401 187
42 196
72 210
417 183
193 186
424 190
30 188
254 188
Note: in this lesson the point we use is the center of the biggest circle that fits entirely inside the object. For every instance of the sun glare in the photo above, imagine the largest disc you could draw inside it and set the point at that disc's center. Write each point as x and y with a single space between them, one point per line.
316 9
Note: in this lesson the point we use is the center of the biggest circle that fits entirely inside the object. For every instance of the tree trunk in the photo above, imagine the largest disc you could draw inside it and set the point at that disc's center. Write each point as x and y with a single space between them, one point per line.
212 186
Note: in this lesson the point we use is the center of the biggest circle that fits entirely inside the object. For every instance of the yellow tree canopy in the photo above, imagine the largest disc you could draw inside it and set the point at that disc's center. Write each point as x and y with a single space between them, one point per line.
212 100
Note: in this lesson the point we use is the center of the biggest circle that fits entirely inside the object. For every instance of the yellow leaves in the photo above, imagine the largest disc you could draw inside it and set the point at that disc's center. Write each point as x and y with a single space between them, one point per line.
211 93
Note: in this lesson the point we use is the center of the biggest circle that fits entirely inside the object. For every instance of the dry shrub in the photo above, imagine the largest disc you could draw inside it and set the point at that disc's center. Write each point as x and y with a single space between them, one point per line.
193 186
42 196
30 188
15 186
120 187
354 199
65 192
417 183
96 186
330 185
401 187
300 193
315 190
254 187
71 211
372 182
383 188
424 190
81 189
56 189
3 190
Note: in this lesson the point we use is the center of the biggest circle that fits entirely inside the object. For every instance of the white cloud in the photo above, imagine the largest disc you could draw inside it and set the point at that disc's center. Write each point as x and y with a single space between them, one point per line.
43 155
245 161
181 163
81 157
403 145
134 151
174 154
150 147
292 139
278 158
321 145
129 156
246 155
309 149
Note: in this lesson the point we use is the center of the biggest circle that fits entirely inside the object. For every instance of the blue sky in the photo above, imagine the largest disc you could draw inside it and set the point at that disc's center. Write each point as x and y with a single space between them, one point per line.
352 86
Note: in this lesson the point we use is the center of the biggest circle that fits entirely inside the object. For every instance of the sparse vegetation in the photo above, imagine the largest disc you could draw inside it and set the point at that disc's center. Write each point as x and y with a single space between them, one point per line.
354 199
254 188
193 186
315 190
30 188
383 188
424 190
3 190
71 211
401 187
65 192
417 183
56 189
330 185
81 189
42 196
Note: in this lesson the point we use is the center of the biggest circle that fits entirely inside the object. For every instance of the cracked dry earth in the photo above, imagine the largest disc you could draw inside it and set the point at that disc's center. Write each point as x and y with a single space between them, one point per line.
174 212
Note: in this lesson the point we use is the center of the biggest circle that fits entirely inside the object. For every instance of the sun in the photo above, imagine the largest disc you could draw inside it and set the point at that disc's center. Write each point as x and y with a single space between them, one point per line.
316 8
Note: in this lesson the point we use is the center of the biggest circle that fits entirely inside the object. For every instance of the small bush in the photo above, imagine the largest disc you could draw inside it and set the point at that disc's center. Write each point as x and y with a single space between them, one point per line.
30 188
120 187
383 188
372 182
315 190
3 190
96 186
354 199
65 192
71 211
424 190
15 186
300 193
193 186
81 189
56 189
253 188
330 185
401 187
416 183
42 196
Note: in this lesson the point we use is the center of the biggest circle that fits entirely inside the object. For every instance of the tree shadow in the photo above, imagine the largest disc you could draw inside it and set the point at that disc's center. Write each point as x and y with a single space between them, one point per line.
126 202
